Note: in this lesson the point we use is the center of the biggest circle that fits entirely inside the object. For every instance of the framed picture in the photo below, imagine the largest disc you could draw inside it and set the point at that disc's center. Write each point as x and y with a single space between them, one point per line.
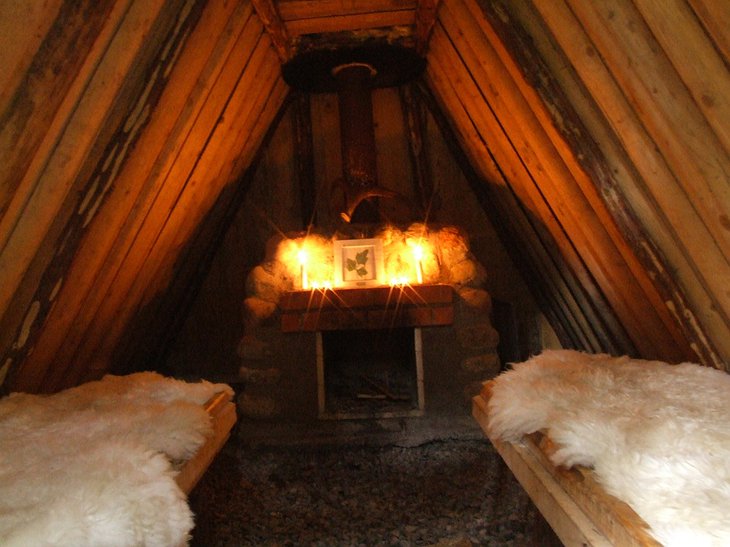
358 262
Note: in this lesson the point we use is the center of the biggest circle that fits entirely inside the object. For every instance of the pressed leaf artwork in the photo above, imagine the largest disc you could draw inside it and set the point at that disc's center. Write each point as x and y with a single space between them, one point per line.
358 262
358 265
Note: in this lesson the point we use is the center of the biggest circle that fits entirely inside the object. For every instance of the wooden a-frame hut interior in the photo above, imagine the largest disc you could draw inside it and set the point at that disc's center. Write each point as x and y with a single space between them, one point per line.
327 222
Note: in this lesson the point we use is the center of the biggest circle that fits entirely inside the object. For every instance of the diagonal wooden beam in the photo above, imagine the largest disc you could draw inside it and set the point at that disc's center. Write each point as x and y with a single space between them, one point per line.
425 18
274 26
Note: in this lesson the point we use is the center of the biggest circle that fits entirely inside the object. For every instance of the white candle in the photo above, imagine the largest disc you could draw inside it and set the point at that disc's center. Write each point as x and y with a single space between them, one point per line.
418 255
302 255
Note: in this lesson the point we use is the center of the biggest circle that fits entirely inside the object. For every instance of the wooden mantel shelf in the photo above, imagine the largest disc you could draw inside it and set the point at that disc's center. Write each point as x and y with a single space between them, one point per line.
367 308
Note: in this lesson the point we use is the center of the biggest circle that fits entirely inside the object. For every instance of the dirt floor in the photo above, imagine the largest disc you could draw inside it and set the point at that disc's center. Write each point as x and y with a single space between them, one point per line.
446 493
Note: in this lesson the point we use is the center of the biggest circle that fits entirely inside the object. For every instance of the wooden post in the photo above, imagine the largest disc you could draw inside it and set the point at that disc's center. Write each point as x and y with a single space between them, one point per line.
303 149
414 115
425 19
267 12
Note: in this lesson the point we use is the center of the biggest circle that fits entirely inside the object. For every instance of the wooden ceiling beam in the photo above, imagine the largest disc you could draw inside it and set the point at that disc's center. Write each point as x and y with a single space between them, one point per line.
292 10
425 18
357 21
269 15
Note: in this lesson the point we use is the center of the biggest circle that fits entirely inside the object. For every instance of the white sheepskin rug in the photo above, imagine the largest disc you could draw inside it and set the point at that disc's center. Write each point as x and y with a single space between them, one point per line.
91 466
656 435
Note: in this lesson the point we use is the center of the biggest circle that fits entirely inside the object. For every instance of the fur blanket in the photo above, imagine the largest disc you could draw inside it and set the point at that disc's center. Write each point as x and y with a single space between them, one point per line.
656 435
92 465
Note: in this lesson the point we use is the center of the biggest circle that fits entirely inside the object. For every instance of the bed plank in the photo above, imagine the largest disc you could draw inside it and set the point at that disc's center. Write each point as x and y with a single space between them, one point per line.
574 504
223 412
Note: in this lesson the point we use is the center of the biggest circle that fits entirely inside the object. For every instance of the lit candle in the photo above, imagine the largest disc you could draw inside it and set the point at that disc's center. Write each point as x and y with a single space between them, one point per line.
418 255
303 272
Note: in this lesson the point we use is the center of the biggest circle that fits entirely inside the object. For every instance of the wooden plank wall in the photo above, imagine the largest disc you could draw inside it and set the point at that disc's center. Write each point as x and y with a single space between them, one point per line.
586 266
322 16
650 81
157 107
598 129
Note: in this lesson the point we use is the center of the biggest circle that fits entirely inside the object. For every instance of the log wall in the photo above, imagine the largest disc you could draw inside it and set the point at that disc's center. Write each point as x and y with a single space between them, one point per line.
596 135
117 154
603 270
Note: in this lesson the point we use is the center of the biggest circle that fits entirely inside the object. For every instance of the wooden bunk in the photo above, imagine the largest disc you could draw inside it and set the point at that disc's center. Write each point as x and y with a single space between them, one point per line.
120 449
222 410
575 505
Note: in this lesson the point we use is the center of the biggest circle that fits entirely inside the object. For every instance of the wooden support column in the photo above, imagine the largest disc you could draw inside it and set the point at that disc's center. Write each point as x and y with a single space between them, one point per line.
415 123
425 19
304 151
357 137
269 15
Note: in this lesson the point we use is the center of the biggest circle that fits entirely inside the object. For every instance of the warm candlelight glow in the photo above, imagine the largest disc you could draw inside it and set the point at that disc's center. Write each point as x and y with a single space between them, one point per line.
412 257
418 255
302 256
398 281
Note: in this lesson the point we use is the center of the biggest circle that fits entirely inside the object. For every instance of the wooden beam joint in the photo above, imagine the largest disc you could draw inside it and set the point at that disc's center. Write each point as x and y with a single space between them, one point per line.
274 26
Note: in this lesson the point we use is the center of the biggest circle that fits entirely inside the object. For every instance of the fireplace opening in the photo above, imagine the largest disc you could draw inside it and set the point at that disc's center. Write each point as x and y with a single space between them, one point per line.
370 373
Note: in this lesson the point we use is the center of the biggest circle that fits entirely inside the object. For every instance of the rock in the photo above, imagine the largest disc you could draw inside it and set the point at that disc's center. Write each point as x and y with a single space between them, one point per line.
478 299
255 310
487 365
478 337
267 282
259 376
256 406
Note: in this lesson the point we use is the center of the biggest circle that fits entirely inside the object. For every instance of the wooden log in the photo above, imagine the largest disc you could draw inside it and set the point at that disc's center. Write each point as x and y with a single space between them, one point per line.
41 146
152 264
415 124
60 61
101 254
23 27
715 18
695 59
425 18
148 265
267 12
508 156
303 150
558 116
509 221
687 233
359 21
629 284
572 301
619 183
49 227
666 110
307 9
564 185
155 332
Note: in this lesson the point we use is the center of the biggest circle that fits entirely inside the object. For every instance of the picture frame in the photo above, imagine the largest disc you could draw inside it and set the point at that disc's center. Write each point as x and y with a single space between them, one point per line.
358 262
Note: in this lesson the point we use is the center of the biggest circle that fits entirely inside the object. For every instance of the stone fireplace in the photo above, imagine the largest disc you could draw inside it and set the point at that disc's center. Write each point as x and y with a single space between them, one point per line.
382 317
400 351
369 345
240 326
366 374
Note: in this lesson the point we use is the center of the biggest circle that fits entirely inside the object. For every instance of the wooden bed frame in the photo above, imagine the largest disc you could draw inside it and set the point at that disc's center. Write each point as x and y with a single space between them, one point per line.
223 413
575 505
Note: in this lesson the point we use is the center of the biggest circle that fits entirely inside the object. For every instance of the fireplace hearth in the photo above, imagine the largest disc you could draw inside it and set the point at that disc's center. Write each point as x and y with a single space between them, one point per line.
413 350
365 374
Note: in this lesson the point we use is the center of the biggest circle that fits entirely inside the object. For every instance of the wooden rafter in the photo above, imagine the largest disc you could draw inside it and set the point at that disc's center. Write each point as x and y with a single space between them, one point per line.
425 18
274 26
